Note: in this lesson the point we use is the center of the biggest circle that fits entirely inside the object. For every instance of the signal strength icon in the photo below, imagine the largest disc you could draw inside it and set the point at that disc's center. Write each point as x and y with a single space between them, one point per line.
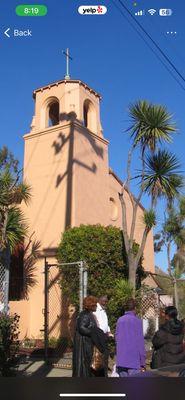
140 13
152 11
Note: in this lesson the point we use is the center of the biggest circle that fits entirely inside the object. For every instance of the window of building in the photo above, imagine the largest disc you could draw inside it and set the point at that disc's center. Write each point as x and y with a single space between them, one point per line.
53 113
89 115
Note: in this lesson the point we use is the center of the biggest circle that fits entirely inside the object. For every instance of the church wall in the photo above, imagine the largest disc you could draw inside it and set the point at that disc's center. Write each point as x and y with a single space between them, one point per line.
90 179
47 170
22 308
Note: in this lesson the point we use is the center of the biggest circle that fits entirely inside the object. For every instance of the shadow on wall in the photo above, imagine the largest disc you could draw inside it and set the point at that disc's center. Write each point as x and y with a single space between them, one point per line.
57 179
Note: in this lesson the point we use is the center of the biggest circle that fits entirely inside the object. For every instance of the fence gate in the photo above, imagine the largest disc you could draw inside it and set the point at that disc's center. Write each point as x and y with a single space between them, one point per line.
150 306
4 288
59 314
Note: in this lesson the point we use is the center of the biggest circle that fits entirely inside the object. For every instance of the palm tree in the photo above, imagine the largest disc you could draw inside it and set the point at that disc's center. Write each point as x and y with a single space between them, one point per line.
23 268
161 176
173 232
13 227
151 126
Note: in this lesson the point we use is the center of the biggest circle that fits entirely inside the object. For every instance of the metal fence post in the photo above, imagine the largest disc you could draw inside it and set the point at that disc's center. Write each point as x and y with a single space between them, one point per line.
85 280
81 285
4 279
6 290
46 297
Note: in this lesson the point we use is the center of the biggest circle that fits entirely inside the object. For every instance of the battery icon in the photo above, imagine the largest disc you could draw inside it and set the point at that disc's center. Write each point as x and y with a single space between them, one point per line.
165 12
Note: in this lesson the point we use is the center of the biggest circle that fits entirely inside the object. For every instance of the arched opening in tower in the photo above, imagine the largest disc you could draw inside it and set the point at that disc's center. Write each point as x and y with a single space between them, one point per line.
53 114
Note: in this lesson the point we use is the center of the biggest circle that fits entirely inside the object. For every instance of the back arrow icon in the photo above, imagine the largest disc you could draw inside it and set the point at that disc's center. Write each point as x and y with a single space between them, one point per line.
6 32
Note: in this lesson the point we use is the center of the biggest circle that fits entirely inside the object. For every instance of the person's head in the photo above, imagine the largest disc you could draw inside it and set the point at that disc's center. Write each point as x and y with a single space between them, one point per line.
130 305
90 303
103 300
170 313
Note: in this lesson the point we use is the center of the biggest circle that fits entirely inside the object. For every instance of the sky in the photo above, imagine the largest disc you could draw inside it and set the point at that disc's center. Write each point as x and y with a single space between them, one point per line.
108 54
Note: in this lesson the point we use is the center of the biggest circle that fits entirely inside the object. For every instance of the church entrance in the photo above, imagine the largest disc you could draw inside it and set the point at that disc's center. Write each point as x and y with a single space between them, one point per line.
59 313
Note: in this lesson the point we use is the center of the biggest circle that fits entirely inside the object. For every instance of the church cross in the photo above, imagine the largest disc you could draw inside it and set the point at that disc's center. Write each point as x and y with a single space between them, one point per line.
68 57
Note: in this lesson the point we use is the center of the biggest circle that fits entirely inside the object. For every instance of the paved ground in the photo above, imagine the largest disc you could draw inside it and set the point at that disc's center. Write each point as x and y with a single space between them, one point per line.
30 366
35 365
39 368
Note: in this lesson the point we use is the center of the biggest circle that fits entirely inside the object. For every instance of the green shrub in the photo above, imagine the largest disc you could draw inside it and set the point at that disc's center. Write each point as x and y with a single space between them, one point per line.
102 249
122 292
8 342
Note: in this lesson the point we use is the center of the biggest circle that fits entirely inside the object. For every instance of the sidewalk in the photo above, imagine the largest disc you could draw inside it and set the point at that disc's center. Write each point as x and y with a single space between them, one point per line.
38 368
29 365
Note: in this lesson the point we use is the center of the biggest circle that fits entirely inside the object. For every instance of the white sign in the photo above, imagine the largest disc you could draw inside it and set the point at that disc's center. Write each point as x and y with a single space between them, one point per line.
92 10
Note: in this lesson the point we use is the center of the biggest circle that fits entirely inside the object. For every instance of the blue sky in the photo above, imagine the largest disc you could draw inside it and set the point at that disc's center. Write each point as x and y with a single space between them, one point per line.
107 54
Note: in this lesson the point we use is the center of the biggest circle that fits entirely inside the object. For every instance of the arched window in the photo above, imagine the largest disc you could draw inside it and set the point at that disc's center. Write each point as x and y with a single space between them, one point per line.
89 115
50 113
53 114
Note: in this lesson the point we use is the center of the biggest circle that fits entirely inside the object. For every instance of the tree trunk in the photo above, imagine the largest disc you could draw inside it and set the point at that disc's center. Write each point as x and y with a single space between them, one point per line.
176 296
169 258
132 273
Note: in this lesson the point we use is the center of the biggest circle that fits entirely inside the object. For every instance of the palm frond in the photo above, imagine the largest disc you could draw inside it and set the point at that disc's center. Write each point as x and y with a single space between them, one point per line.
149 219
22 192
16 228
150 124
31 254
162 175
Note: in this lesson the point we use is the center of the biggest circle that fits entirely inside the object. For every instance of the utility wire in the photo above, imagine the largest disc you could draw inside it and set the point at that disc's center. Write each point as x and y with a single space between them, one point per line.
154 43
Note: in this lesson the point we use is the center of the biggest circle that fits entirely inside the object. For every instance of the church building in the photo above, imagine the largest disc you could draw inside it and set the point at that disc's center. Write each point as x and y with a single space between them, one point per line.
66 163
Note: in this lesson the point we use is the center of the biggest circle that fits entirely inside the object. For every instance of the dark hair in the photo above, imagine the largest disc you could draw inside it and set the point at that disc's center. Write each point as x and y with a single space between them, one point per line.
171 311
89 302
103 296
130 305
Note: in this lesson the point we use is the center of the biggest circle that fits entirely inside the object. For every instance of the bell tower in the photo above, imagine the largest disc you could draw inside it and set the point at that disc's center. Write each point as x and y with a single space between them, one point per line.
66 164
66 160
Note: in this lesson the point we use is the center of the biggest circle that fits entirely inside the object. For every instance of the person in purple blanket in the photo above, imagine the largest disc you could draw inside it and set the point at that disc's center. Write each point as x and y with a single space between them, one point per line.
130 348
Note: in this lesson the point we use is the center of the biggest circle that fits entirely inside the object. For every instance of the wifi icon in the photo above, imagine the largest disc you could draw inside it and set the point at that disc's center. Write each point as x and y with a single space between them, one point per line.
152 11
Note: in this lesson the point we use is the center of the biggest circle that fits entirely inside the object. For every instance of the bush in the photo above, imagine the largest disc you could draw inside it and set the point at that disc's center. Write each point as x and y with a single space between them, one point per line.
102 249
122 292
8 342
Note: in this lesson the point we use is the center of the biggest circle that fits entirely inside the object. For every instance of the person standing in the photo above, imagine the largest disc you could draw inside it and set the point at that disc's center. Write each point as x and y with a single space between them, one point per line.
168 341
102 321
101 315
130 348
89 342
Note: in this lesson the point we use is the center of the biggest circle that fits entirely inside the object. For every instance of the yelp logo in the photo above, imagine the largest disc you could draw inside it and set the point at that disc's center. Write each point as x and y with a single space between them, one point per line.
100 10
92 10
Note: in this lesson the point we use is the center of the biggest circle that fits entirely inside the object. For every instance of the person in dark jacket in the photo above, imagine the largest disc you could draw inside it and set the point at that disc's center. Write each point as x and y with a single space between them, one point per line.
88 337
168 341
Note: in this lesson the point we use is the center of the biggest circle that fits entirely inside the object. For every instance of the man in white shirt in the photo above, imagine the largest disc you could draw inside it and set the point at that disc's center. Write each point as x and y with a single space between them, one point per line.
101 315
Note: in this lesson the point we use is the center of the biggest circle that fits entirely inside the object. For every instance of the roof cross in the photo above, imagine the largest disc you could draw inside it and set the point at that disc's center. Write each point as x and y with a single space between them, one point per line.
68 57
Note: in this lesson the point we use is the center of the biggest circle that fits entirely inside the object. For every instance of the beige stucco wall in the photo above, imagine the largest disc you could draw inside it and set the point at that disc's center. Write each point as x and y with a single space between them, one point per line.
22 308
91 179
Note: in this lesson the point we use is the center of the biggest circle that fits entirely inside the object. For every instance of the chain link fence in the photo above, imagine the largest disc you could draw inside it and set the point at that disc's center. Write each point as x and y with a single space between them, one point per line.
169 291
4 286
59 314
